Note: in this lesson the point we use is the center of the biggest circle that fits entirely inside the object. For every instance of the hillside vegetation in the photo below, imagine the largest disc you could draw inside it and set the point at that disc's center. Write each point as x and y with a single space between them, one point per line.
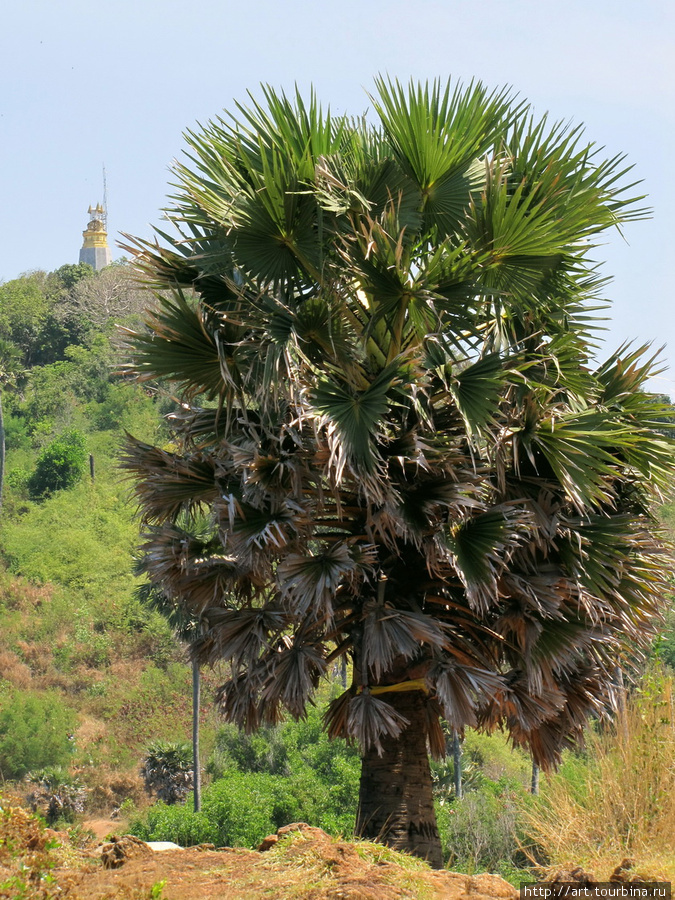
90 676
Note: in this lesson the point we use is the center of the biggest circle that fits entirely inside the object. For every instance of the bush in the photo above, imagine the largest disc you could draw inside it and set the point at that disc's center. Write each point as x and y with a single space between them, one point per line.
35 732
16 433
482 832
167 770
56 795
238 810
60 465
279 775
175 823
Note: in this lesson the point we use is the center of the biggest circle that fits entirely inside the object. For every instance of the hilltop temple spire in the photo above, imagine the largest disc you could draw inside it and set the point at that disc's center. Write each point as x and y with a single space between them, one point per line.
95 250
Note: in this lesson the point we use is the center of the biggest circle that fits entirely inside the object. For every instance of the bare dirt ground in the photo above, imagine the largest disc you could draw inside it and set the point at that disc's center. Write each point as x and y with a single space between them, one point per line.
312 867
101 828
303 864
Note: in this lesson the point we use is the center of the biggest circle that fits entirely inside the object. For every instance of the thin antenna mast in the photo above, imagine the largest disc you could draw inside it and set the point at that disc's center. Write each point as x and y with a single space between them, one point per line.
105 201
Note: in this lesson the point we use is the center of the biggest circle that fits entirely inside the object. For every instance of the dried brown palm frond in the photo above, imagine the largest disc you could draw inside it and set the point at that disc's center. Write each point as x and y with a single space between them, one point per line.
308 582
369 719
434 731
167 484
586 693
237 700
197 572
293 672
335 717
241 635
462 685
389 632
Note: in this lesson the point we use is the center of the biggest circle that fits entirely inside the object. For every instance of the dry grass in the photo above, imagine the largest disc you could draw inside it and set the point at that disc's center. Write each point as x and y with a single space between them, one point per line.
316 865
14 671
620 800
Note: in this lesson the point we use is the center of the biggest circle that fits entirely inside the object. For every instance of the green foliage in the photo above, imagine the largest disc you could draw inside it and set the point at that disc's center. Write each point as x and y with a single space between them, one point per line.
71 273
483 831
60 465
17 435
240 809
167 770
56 794
279 775
47 314
81 539
664 647
485 758
35 732
24 307
326 770
175 823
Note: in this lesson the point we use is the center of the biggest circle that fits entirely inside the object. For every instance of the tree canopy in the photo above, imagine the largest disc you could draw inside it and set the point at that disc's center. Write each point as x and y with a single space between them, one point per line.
393 441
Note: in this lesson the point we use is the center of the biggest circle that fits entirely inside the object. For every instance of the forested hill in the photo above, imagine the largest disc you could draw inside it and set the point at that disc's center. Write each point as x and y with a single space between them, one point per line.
78 650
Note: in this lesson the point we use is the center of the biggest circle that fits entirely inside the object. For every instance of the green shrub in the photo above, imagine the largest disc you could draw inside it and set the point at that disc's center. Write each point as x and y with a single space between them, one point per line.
60 465
56 795
167 770
175 823
237 811
482 831
17 436
285 749
263 781
18 480
35 732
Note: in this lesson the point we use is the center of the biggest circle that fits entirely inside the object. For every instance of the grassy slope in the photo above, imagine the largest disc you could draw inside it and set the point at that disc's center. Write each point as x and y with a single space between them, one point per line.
71 624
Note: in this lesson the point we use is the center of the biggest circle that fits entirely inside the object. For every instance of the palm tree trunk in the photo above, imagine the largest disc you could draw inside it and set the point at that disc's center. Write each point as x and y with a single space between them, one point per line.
395 801
197 779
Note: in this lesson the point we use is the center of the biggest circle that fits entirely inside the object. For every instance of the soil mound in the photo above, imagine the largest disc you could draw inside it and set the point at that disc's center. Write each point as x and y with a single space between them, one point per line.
298 862
120 850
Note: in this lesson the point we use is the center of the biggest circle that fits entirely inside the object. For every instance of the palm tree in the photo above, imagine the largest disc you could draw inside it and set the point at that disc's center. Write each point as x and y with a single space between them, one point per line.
381 339
186 628
167 771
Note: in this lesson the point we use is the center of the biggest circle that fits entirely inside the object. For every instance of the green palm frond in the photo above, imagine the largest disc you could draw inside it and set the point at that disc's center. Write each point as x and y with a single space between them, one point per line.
179 347
357 416
438 135
480 545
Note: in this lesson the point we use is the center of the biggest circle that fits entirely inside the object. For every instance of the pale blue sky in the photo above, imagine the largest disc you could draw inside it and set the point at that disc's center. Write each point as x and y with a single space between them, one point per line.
86 82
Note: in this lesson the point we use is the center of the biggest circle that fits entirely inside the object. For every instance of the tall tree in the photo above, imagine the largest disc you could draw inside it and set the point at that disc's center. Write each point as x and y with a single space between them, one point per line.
381 339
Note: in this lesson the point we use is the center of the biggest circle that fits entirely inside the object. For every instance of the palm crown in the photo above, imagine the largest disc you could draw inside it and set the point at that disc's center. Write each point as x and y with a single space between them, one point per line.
392 442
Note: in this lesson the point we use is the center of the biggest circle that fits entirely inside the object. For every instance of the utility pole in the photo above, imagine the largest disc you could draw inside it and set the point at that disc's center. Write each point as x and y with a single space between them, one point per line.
457 763
197 775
